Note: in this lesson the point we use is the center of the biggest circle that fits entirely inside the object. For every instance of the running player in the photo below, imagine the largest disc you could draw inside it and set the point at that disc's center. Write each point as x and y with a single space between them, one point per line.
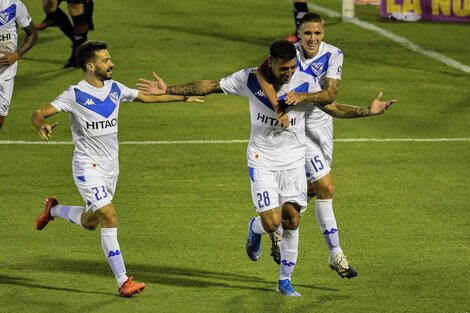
93 106
81 12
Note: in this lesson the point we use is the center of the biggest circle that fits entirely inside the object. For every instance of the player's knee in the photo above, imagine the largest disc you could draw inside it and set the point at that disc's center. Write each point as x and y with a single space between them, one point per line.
107 216
109 221
75 9
271 226
91 226
326 191
292 223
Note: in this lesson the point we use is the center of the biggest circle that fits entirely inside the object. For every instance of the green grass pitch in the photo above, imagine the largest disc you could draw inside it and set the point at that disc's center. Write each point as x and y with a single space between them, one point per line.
401 207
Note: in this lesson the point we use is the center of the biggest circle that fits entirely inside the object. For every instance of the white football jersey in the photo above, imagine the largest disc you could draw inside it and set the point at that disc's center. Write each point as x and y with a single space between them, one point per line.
270 146
327 63
12 13
94 123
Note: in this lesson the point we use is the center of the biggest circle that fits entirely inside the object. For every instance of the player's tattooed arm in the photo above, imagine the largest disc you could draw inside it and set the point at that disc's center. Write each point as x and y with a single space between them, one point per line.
158 87
196 88
29 40
350 111
326 96
263 75
344 110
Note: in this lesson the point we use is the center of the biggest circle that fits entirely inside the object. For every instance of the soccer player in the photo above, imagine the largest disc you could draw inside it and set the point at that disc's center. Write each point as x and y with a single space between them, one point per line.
323 62
276 158
93 106
81 12
12 13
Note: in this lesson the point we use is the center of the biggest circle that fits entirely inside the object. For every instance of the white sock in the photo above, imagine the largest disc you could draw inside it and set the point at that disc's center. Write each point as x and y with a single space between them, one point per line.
257 226
289 252
69 213
113 254
327 221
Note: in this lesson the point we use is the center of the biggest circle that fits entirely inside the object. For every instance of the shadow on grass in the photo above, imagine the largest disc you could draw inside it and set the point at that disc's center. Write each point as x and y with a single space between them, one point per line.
162 274
24 282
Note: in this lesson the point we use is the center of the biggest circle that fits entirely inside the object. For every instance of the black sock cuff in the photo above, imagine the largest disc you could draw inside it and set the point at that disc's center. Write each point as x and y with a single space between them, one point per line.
80 23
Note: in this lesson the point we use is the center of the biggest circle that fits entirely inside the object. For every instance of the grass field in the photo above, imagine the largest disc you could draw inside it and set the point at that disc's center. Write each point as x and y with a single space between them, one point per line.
401 206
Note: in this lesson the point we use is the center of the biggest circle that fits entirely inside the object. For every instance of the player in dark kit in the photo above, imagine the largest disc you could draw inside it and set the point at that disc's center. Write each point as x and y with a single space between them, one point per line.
81 12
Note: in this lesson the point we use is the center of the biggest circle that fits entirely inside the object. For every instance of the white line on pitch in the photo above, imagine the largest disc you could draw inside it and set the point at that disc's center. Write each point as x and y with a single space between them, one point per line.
235 141
402 41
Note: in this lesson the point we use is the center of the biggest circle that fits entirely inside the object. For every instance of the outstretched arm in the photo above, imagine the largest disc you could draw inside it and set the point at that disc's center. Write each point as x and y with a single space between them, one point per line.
349 111
38 118
8 58
142 97
196 88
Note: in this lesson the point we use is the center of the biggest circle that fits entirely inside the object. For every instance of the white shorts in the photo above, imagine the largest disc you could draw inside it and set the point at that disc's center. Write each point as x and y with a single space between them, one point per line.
96 189
271 189
319 151
6 92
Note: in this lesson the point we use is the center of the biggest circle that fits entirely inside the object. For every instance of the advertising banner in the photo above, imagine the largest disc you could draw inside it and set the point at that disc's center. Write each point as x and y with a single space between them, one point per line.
430 10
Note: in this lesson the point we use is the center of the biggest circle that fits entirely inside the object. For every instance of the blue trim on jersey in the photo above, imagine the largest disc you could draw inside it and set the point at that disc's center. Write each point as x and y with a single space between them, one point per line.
82 178
8 14
300 88
251 170
255 88
103 107
317 67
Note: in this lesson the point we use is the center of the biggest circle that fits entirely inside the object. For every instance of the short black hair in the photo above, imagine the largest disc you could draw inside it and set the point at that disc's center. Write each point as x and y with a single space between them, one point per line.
86 51
282 50
311 18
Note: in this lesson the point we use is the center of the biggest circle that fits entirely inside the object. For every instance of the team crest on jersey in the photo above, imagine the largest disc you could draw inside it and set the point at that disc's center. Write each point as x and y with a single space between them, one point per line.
317 68
114 96
4 17
8 14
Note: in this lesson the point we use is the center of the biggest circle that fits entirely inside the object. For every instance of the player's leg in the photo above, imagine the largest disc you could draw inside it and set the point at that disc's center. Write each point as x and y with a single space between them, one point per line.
328 226
319 158
6 93
293 189
81 27
48 7
289 248
266 201
79 215
55 16
300 9
102 190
